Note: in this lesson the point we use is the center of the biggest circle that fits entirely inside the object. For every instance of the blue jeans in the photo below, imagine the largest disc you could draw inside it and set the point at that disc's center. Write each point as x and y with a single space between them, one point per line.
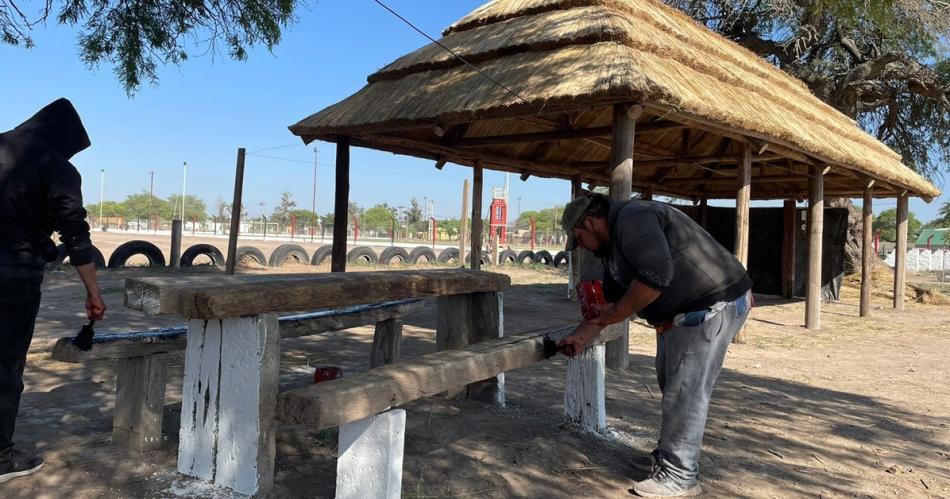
19 303
688 361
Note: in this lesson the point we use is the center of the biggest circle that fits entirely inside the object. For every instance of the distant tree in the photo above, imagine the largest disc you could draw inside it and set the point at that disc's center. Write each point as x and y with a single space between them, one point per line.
413 218
886 222
327 221
379 217
144 206
109 209
943 217
195 208
138 37
305 218
283 210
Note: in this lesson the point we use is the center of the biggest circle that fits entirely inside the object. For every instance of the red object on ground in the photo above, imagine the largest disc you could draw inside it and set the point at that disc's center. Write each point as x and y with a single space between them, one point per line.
322 374
591 293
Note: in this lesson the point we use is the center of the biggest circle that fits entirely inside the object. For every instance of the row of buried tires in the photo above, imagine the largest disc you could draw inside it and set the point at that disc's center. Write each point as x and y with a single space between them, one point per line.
296 254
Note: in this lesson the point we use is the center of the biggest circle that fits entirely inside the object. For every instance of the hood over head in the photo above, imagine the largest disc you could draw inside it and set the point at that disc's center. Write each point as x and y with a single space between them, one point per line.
59 125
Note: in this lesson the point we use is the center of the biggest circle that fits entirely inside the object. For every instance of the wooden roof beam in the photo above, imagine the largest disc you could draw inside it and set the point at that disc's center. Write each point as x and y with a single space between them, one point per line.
562 134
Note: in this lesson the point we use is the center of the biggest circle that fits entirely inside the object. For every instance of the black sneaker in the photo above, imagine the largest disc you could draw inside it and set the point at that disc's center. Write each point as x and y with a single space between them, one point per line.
19 465
646 463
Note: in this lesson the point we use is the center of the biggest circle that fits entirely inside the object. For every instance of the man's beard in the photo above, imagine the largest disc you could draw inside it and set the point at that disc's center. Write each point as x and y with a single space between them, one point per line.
603 251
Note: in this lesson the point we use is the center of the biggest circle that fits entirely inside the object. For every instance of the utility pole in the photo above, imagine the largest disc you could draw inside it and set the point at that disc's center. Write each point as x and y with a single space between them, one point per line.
313 204
184 180
263 220
102 190
151 193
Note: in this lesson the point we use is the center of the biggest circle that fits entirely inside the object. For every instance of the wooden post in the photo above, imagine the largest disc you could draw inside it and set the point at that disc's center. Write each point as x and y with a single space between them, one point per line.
139 402
816 216
621 180
476 218
789 231
463 226
900 253
236 212
341 205
576 191
584 392
703 211
743 195
466 319
867 217
647 194
175 256
386 343
228 397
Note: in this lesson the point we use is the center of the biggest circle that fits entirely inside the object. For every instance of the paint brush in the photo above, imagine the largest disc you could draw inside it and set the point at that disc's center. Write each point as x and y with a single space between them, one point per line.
83 340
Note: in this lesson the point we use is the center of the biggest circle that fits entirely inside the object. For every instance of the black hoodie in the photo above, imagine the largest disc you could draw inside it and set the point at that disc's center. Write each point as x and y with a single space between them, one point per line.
40 191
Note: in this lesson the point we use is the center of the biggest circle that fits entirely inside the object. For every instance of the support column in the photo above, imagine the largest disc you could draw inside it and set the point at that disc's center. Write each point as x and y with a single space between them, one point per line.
370 457
341 205
235 213
227 416
816 215
743 196
463 320
139 402
476 218
386 343
867 217
703 211
621 180
175 255
789 230
463 226
584 390
900 253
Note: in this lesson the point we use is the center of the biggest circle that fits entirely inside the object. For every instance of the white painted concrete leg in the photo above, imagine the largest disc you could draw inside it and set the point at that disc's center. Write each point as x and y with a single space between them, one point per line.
584 390
228 399
370 462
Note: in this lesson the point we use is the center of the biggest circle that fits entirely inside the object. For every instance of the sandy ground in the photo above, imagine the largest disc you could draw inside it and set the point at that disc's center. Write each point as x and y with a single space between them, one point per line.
861 408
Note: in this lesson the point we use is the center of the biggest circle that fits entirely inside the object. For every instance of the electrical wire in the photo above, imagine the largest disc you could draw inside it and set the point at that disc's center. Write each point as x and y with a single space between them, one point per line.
450 51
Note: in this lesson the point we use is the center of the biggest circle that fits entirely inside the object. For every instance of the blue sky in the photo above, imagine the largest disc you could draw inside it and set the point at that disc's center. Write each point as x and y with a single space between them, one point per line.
204 110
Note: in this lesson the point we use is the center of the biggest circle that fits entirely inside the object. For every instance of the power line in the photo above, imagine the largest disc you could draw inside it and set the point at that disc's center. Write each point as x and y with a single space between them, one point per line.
460 58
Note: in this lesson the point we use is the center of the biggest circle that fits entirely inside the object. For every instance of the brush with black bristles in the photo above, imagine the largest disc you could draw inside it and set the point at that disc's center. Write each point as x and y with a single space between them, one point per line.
83 340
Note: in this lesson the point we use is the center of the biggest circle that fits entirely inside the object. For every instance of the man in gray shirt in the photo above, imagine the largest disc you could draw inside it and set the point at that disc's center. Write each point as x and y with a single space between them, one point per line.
662 266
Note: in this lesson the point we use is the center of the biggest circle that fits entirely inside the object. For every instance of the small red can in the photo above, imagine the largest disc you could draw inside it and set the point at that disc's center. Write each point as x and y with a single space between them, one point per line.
322 374
591 293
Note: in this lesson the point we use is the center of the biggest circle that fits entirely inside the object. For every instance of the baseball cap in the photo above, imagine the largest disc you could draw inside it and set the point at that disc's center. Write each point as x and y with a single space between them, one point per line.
573 213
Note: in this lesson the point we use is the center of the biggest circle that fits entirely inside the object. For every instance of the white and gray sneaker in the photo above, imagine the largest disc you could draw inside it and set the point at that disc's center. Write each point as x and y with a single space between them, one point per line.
646 462
19 465
661 484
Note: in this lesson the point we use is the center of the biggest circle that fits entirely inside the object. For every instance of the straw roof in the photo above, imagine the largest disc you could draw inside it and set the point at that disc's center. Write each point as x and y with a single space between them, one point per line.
550 72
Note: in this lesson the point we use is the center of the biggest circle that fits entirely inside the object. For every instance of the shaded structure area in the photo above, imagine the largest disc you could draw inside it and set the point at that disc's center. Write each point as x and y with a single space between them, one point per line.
633 95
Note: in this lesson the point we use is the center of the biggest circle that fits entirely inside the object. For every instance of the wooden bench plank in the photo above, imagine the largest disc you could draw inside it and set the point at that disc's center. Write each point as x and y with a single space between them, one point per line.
168 340
217 297
342 401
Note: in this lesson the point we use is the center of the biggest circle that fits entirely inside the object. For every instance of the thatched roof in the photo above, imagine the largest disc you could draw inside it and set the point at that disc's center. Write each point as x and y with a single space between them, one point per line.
566 62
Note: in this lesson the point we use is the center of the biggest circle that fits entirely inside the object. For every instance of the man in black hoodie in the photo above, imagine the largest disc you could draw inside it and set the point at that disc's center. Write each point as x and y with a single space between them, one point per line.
40 191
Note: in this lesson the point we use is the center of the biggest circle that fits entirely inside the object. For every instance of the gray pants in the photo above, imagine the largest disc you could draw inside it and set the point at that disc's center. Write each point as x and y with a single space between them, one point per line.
688 361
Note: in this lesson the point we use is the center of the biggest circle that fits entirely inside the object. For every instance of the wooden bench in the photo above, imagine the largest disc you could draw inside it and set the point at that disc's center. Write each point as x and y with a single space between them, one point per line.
142 357
229 395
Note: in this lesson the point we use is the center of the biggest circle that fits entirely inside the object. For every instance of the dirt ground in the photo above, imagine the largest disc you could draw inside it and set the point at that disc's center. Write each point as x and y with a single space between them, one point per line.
860 408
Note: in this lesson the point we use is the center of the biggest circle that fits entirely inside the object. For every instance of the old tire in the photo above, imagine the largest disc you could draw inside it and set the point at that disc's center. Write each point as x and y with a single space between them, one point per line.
560 259
543 257
251 253
288 253
420 252
362 254
188 257
484 257
121 255
449 255
526 256
507 257
394 253
321 254
61 258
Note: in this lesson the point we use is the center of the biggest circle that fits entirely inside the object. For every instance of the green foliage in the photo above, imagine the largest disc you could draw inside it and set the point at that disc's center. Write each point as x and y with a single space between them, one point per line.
943 218
194 207
546 220
283 210
379 218
886 223
144 206
138 37
305 218
109 209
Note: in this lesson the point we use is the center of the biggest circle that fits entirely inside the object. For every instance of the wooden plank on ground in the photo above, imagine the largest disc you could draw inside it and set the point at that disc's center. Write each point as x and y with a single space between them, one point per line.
222 296
342 401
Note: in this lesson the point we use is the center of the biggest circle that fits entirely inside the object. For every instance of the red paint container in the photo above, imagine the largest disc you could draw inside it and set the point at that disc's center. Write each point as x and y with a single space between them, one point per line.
591 293
328 373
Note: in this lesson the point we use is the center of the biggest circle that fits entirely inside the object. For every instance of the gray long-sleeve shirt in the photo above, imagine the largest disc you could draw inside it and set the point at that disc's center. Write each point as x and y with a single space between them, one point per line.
661 247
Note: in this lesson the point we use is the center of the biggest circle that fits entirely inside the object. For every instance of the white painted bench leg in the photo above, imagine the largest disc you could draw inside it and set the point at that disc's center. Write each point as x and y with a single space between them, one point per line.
584 397
139 402
370 462
228 399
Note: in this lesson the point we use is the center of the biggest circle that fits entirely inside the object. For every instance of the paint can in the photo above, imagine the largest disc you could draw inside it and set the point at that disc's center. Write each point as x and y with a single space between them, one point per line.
327 373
